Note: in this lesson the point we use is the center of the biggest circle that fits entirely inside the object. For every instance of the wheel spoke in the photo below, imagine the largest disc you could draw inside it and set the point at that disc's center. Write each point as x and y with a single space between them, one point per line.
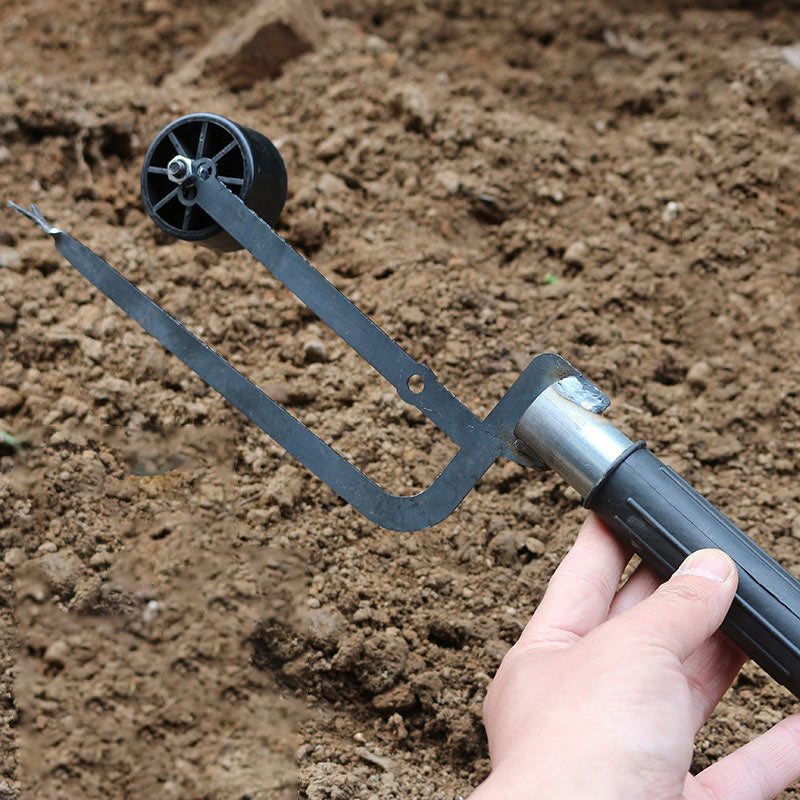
225 150
231 181
176 143
187 215
166 198
201 144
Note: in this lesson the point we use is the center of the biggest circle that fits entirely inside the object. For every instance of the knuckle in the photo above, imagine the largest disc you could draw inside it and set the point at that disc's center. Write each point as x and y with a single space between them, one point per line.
688 591
586 583
551 639
790 728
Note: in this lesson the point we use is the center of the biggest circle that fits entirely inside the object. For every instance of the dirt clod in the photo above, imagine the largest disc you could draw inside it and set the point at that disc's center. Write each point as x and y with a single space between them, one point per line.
326 626
698 374
384 658
60 570
8 315
505 547
255 45
10 400
401 698
576 255
57 653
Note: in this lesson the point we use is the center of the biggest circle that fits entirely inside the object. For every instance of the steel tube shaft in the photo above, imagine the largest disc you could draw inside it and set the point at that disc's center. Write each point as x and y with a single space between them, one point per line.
578 443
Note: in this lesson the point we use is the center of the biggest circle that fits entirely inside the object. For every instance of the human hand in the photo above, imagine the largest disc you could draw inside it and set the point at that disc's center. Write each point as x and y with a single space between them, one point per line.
605 690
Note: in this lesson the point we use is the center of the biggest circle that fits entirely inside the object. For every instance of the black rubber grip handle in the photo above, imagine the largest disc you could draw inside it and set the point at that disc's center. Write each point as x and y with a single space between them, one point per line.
651 508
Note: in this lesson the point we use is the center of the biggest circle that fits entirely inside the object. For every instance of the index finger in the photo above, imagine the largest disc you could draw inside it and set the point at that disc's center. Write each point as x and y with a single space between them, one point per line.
758 770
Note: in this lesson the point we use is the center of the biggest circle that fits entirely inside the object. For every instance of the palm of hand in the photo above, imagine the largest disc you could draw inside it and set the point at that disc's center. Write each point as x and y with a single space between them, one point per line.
603 694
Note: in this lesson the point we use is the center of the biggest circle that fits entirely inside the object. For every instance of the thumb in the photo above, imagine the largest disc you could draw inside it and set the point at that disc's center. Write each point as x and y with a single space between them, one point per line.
686 610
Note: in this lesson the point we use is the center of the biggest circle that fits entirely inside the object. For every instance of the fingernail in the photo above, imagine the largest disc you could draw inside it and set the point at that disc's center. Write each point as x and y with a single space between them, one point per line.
712 564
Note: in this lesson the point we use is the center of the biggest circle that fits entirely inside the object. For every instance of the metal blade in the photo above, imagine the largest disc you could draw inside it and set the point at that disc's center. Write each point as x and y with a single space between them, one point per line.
481 445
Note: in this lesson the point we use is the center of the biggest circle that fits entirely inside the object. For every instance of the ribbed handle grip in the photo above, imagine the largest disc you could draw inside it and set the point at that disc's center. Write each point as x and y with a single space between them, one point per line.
650 507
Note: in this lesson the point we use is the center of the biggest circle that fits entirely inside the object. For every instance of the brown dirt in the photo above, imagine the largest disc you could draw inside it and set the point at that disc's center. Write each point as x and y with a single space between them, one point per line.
445 160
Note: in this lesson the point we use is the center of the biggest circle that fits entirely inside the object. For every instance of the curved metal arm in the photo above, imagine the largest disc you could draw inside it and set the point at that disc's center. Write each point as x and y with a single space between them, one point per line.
487 439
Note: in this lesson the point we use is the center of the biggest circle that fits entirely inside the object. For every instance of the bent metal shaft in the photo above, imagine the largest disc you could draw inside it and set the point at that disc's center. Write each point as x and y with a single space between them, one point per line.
208 180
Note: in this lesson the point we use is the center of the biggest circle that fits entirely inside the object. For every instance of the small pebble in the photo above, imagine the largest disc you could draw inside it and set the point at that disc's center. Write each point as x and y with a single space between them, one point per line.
577 254
373 758
791 55
330 185
14 557
671 211
325 627
397 723
9 400
504 547
309 231
415 107
10 258
100 560
57 653
335 144
60 570
376 44
315 351
8 315
151 610
698 375
449 180
535 547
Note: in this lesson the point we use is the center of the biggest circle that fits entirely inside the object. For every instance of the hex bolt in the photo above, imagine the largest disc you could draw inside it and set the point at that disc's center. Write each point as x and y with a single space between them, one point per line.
177 169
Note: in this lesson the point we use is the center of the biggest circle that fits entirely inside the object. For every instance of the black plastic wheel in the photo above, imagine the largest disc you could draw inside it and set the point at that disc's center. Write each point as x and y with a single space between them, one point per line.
243 159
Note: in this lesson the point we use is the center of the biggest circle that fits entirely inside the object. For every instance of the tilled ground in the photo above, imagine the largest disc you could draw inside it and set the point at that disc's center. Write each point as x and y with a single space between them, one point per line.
612 181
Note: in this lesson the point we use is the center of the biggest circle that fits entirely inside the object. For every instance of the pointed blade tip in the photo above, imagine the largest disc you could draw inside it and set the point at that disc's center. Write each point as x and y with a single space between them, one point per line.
34 215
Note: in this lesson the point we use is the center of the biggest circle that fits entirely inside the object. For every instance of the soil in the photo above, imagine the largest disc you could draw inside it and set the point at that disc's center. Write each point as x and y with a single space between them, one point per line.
187 612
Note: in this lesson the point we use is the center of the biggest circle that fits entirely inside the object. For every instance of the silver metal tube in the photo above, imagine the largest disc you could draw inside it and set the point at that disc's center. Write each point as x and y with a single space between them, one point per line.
564 431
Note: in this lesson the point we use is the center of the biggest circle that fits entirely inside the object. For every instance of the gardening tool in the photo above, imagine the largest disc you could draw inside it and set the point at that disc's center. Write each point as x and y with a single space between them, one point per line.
208 180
